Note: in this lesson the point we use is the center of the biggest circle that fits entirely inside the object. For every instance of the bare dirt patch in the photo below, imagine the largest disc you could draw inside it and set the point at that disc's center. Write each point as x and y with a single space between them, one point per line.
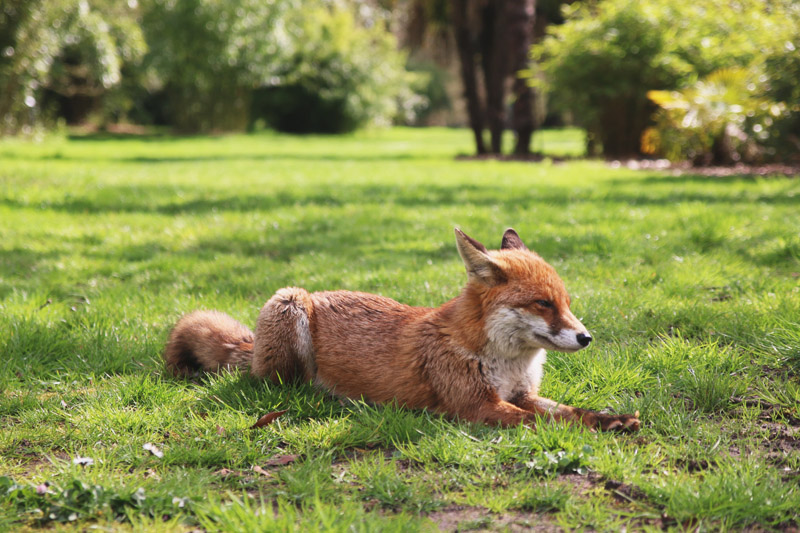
467 518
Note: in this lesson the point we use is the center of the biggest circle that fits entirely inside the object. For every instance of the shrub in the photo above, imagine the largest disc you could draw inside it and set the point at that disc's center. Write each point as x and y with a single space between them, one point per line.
723 118
602 62
782 70
207 55
65 48
430 87
340 75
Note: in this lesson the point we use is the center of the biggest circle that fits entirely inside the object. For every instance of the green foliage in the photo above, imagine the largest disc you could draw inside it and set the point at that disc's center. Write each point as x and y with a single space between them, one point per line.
560 462
70 47
314 514
320 67
603 60
781 67
723 118
75 501
339 76
207 55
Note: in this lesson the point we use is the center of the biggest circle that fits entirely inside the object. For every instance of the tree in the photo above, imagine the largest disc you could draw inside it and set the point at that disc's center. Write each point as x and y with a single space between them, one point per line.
521 16
498 35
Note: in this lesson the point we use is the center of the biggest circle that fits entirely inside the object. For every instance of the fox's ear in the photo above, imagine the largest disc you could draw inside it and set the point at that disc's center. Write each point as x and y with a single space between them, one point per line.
511 241
480 266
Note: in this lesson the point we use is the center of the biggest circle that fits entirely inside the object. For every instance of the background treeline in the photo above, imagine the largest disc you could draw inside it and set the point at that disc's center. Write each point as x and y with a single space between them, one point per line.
709 81
202 65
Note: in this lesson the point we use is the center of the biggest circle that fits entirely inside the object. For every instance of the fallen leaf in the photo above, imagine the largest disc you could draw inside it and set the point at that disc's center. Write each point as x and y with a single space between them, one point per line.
258 470
220 430
150 447
224 472
267 419
279 460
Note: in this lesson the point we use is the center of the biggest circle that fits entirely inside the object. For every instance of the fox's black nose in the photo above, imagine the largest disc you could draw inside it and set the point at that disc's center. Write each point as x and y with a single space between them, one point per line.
584 339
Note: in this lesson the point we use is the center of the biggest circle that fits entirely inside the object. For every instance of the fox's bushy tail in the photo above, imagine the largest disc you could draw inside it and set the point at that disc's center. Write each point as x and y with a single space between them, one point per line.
208 341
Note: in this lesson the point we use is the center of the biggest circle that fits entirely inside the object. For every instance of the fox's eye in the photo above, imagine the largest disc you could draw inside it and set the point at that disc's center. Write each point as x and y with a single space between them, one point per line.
544 303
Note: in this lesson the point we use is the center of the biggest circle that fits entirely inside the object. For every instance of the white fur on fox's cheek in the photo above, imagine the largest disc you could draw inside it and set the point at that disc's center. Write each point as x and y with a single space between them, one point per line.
503 329
514 332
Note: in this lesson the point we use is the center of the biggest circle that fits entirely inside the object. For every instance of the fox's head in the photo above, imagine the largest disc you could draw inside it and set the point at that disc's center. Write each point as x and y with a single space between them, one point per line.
523 302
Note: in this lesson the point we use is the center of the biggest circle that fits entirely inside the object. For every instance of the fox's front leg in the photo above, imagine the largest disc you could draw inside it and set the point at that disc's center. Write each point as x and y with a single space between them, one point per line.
498 412
591 419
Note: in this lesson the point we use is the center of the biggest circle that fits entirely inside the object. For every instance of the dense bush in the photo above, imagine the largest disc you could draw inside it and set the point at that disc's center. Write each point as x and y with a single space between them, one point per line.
602 62
722 119
312 66
61 50
782 71
207 55
338 77
749 113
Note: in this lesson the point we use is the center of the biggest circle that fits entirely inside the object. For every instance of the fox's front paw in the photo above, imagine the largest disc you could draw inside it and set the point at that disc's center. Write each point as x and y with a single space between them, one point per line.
606 422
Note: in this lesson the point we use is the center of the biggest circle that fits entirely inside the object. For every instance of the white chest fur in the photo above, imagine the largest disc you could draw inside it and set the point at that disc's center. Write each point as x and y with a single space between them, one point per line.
513 376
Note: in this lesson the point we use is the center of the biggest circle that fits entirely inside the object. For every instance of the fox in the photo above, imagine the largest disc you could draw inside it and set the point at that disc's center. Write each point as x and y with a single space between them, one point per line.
478 357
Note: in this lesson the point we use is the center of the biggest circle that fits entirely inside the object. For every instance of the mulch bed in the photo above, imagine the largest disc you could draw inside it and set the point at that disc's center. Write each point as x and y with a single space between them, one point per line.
685 168
678 169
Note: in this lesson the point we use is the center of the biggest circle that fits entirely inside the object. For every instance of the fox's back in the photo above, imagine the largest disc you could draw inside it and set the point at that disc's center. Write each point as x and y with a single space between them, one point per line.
361 349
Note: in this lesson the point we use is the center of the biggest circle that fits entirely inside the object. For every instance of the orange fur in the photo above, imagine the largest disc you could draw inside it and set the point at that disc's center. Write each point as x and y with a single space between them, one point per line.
478 356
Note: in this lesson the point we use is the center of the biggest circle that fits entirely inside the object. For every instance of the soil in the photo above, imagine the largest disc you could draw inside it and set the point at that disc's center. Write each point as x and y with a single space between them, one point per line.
678 169
685 168
467 518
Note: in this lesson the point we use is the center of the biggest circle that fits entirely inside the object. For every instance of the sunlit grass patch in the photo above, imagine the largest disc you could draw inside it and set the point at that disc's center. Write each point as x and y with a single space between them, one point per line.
688 285
737 492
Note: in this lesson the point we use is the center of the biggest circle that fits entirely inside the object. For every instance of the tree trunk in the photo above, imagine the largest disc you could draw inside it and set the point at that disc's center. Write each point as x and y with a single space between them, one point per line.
521 16
620 127
494 53
466 54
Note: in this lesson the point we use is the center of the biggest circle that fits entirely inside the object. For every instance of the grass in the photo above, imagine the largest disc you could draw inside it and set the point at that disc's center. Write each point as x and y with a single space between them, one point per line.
688 284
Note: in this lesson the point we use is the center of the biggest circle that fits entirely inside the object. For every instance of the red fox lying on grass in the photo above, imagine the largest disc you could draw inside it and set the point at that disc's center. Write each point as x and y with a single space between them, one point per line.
478 357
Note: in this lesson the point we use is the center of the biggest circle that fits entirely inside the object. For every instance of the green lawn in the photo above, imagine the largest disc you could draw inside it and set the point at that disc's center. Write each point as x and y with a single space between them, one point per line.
689 285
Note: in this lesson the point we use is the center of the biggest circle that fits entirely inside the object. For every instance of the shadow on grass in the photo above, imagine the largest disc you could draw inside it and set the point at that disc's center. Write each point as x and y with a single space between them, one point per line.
347 242
163 199
336 423
255 157
165 135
